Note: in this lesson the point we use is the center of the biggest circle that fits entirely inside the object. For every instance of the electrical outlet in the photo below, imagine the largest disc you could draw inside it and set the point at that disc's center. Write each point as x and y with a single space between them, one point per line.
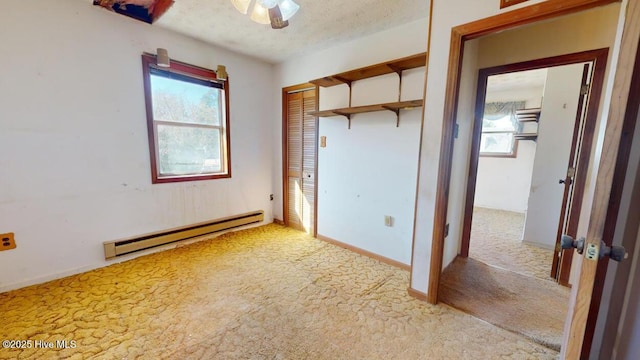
388 220
8 241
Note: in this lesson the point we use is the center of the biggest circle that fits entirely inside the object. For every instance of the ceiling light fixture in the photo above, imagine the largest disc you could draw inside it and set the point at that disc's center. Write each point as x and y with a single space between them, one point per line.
274 12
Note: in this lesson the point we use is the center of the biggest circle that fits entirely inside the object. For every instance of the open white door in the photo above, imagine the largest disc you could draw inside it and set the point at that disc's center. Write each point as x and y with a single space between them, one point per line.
627 72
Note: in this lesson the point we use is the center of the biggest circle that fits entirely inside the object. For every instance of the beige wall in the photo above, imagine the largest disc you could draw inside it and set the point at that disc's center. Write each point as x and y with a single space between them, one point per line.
356 189
73 138
504 183
591 29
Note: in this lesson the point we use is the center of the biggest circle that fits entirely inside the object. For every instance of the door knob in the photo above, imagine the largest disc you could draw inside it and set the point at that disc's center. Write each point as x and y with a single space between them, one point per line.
567 242
616 253
562 181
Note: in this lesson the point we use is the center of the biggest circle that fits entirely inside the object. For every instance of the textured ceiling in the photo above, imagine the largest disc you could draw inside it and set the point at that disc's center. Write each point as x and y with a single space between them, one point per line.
517 80
318 24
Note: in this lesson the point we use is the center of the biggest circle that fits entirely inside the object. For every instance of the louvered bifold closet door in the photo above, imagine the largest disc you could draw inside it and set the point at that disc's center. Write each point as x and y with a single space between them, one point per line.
309 138
301 160
294 159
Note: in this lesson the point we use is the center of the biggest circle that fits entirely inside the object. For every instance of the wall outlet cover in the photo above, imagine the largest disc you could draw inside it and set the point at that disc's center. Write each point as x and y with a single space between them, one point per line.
7 241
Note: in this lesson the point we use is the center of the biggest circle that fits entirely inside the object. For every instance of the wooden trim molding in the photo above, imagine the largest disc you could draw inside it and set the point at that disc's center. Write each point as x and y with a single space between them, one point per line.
317 167
527 15
366 253
609 183
300 87
507 3
511 19
195 73
285 150
417 294
424 91
599 59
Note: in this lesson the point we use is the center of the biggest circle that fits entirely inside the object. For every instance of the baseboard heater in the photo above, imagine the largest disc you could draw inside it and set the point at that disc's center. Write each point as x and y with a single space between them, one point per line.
117 248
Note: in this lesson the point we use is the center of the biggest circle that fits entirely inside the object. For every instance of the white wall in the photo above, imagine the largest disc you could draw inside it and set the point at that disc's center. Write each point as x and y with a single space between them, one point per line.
504 183
73 138
462 150
581 34
555 131
369 171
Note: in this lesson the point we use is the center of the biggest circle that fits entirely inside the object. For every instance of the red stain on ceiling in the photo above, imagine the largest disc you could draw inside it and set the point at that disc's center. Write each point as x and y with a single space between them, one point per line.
143 10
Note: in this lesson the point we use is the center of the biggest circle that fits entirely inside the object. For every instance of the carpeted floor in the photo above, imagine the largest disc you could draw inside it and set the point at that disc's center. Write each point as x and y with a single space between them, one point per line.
506 282
264 293
496 239
523 304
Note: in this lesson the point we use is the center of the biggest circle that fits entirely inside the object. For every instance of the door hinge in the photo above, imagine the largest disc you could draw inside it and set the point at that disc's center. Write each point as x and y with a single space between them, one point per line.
584 90
446 230
455 131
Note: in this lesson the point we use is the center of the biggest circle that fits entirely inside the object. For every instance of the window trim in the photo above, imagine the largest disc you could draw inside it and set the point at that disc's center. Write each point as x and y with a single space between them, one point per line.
197 73
514 150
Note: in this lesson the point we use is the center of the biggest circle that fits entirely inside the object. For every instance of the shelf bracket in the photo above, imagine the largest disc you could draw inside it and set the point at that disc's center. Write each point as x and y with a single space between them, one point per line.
346 81
341 79
348 116
398 71
395 111
395 69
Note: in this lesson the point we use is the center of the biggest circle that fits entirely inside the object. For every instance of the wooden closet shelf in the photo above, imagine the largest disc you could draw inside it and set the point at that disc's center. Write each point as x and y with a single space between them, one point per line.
393 66
348 111
528 115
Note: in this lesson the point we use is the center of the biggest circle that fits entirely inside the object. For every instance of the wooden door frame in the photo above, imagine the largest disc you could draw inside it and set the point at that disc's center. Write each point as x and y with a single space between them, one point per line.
599 59
608 186
285 153
568 222
581 306
459 34
623 118
629 232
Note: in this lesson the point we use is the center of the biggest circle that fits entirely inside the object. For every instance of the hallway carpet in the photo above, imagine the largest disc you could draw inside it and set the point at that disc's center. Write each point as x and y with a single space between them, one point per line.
523 304
496 233
263 293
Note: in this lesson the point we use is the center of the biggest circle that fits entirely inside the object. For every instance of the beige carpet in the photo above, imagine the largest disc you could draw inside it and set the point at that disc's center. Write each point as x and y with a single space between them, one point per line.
523 304
264 293
496 239
514 291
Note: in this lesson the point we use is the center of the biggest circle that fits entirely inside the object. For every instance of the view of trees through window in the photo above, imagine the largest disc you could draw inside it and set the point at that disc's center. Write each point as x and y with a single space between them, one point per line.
189 126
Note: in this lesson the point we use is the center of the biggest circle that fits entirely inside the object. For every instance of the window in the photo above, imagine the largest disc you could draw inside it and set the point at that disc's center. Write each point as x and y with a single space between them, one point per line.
499 126
188 122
